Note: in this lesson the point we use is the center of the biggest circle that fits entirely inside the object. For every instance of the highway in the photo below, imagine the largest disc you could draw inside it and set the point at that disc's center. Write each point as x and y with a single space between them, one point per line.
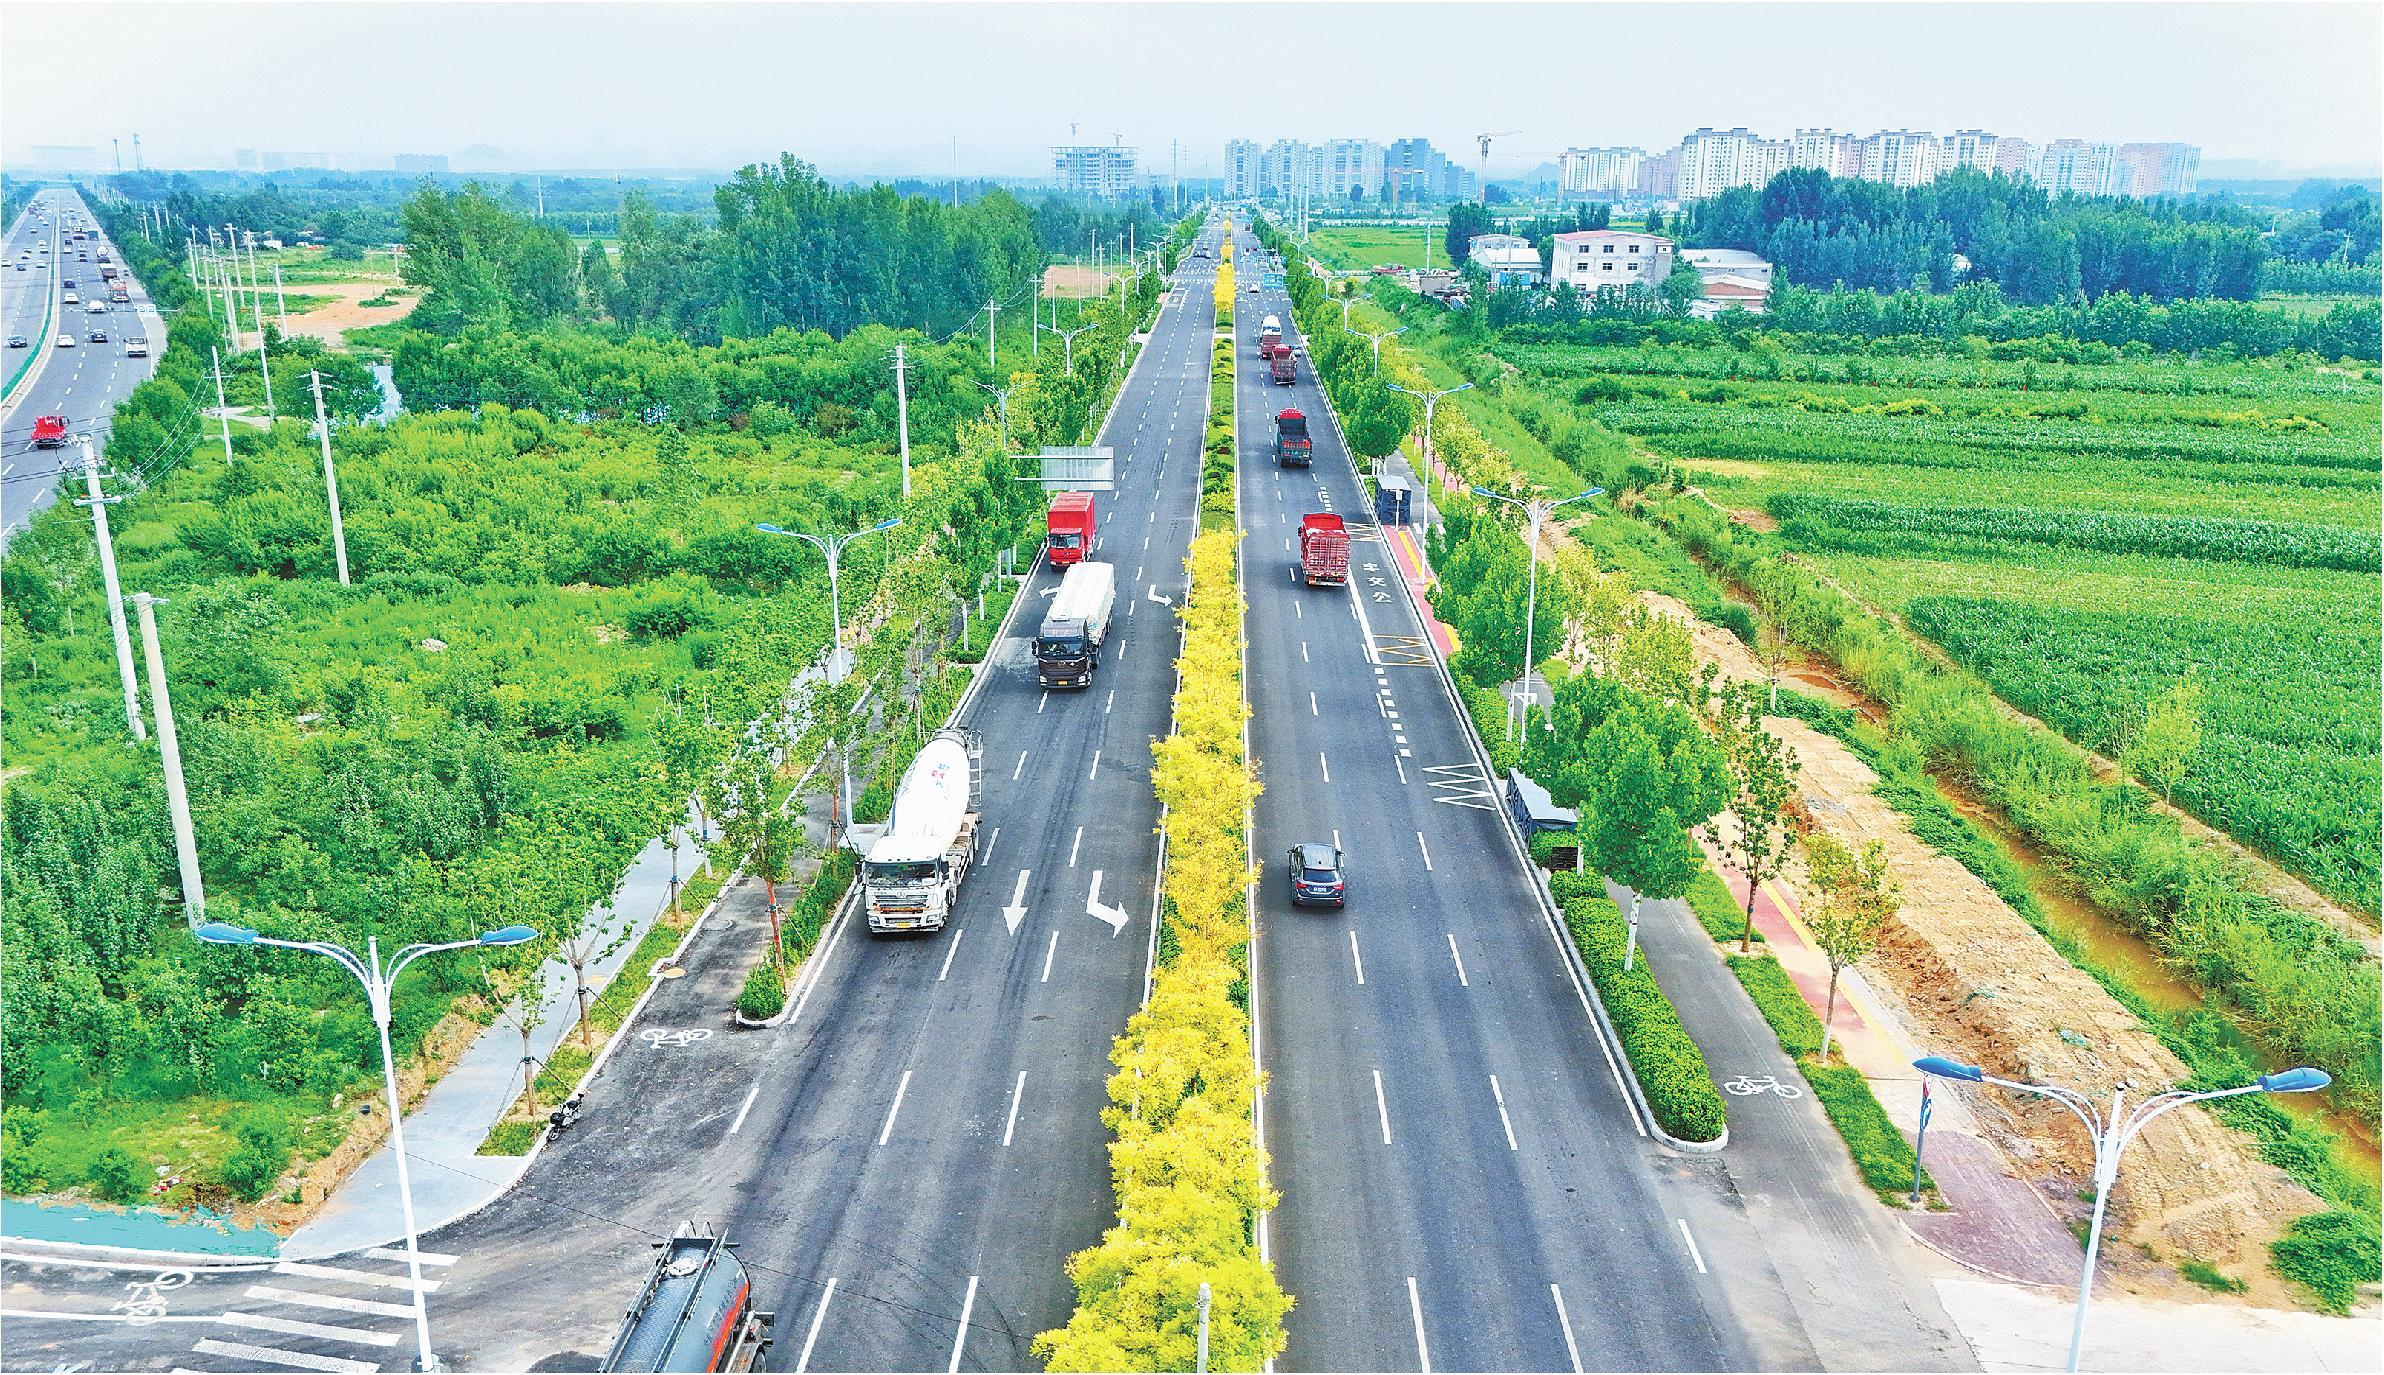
82 383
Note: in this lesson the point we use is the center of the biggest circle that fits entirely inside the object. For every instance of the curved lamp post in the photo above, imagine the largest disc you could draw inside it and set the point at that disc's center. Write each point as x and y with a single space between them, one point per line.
1537 510
833 547
377 978
2110 1132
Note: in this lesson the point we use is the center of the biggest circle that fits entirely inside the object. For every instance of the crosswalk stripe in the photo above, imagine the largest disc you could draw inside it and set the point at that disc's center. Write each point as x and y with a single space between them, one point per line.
274 1355
340 1302
341 1272
294 1328
397 1254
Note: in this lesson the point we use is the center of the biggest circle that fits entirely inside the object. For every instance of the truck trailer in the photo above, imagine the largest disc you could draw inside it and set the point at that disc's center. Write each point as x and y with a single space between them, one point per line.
695 1312
911 875
1069 527
1068 645
1324 550
1270 333
1279 365
1293 447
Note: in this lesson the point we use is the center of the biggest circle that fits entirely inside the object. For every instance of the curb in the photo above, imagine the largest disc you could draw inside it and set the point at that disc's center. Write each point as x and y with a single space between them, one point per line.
1642 1114
24 1251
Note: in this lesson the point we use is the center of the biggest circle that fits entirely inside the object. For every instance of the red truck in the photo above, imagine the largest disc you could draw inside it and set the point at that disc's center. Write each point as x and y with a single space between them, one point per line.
119 290
1324 550
1068 527
1280 366
49 432
1293 447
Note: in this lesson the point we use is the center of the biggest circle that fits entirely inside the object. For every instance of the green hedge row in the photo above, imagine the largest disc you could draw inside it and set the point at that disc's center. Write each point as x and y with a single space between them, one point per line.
1881 1154
1717 910
1776 997
1669 1067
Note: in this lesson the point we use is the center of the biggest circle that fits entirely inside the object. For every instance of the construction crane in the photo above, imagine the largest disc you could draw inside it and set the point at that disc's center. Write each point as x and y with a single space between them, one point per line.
1483 142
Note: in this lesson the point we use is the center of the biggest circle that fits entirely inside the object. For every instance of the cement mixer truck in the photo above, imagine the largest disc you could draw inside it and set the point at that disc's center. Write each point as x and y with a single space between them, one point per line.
911 875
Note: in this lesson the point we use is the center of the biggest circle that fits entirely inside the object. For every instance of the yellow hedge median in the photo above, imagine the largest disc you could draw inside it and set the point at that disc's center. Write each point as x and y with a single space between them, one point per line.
1189 1176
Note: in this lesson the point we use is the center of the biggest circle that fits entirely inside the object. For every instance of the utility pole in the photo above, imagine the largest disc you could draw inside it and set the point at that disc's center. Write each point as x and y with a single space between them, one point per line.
169 753
991 307
98 502
339 532
223 412
1001 397
902 415
1537 511
136 150
256 297
281 303
265 369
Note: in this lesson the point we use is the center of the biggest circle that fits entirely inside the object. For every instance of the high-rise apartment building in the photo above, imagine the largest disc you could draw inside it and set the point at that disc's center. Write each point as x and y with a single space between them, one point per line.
1241 167
2156 169
1601 173
1099 170
1900 157
1714 160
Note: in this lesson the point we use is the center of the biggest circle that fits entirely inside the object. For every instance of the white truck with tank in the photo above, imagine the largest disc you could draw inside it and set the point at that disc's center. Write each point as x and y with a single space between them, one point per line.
911 875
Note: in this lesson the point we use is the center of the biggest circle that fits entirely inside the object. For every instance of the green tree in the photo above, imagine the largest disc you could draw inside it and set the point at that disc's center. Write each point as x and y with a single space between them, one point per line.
1858 900
1762 773
1638 840
2165 743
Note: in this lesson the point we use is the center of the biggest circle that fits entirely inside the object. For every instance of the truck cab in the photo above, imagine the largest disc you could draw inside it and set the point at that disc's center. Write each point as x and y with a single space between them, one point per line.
1270 333
1069 527
1293 447
1068 643
911 873
49 431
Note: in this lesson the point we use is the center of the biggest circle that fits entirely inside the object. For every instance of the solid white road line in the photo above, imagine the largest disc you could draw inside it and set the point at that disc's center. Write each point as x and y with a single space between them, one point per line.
398 1253
337 1272
1312 704
1415 1306
291 1327
1504 1124
1074 846
887 1134
1324 764
1110 704
989 843
1021 766
1402 767
750 1095
1048 952
1565 1321
1694 1253
960 1338
1016 1096
1095 769
1303 651
818 1316
1460 960
1355 958
338 1302
1382 1108
1426 849
254 1356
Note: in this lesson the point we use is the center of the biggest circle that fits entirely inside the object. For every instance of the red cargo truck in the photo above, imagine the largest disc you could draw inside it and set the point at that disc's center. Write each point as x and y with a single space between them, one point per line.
49 432
1324 550
1280 366
1293 447
1068 528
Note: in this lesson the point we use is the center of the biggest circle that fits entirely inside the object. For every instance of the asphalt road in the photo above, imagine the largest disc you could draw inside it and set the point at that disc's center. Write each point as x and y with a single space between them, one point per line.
82 383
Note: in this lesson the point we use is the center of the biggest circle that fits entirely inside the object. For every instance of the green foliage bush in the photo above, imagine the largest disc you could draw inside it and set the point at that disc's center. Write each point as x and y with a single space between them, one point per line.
764 994
1717 908
1775 995
1881 1154
513 1136
1668 1065
116 1177
2332 1254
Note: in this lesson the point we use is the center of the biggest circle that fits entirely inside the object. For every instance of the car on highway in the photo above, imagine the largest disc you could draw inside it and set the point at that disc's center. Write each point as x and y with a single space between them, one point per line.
99 336
16 341
1316 875
73 300
96 307
66 341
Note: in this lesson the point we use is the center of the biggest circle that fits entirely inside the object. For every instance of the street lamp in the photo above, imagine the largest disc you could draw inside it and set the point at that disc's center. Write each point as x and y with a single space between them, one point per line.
1430 399
1067 341
1001 397
1376 341
1538 510
833 547
377 979
2110 1134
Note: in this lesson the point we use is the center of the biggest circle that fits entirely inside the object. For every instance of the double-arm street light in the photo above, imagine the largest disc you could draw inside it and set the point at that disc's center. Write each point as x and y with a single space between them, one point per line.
1067 341
1538 511
1376 341
1001 398
2110 1133
833 547
1430 399
377 979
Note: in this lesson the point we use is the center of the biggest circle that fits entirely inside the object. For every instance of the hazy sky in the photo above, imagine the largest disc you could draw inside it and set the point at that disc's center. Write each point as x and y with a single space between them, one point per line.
887 87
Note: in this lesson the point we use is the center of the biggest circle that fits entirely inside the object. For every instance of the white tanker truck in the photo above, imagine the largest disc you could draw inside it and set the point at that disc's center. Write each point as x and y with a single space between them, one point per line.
911 874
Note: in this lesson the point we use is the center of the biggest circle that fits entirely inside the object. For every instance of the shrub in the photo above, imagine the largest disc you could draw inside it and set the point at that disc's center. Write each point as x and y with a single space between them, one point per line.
2331 1254
1668 1065
2210 1278
513 1136
1775 996
764 995
263 1152
115 1176
1717 908
1881 1154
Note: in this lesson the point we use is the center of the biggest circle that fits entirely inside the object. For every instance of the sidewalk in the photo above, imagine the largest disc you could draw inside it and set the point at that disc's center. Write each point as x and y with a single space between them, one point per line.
1997 1225
2020 1329
444 1131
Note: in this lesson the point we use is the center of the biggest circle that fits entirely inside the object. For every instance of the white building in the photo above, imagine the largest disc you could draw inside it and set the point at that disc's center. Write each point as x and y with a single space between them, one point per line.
1351 169
1826 150
1591 260
1099 170
1728 262
1607 173
1714 160
1241 168
1506 259
1900 157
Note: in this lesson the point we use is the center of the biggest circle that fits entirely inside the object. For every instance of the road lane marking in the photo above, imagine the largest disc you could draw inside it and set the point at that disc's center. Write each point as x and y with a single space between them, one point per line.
1048 952
1324 764
1110 703
1355 958
887 1134
1022 754
1042 704
1565 1321
1303 651
398 1253
1296 614
1426 849
960 1338
1095 769
1382 1108
253 1356
339 1302
1459 959
1402 766
337 1272
1415 1306
1016 1095
750 1095
1074 846
1694 1254
1312 704
818 1316
989 844
292 1327
1504 1123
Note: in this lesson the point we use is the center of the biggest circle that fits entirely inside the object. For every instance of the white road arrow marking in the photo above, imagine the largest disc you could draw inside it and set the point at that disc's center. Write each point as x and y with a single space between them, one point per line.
1016 911
1159 597
1115 916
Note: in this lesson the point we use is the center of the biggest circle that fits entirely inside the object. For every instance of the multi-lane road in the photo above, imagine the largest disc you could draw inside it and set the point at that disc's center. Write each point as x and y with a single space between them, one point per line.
83 382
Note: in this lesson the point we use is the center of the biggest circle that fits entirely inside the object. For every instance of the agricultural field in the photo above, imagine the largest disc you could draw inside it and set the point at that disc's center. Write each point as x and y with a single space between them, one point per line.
325 297
1356 247
2083 534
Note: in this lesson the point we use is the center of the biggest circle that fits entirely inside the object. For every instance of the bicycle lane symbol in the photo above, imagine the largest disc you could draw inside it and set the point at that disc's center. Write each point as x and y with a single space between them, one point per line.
144 1300
659 1037
1760 1083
